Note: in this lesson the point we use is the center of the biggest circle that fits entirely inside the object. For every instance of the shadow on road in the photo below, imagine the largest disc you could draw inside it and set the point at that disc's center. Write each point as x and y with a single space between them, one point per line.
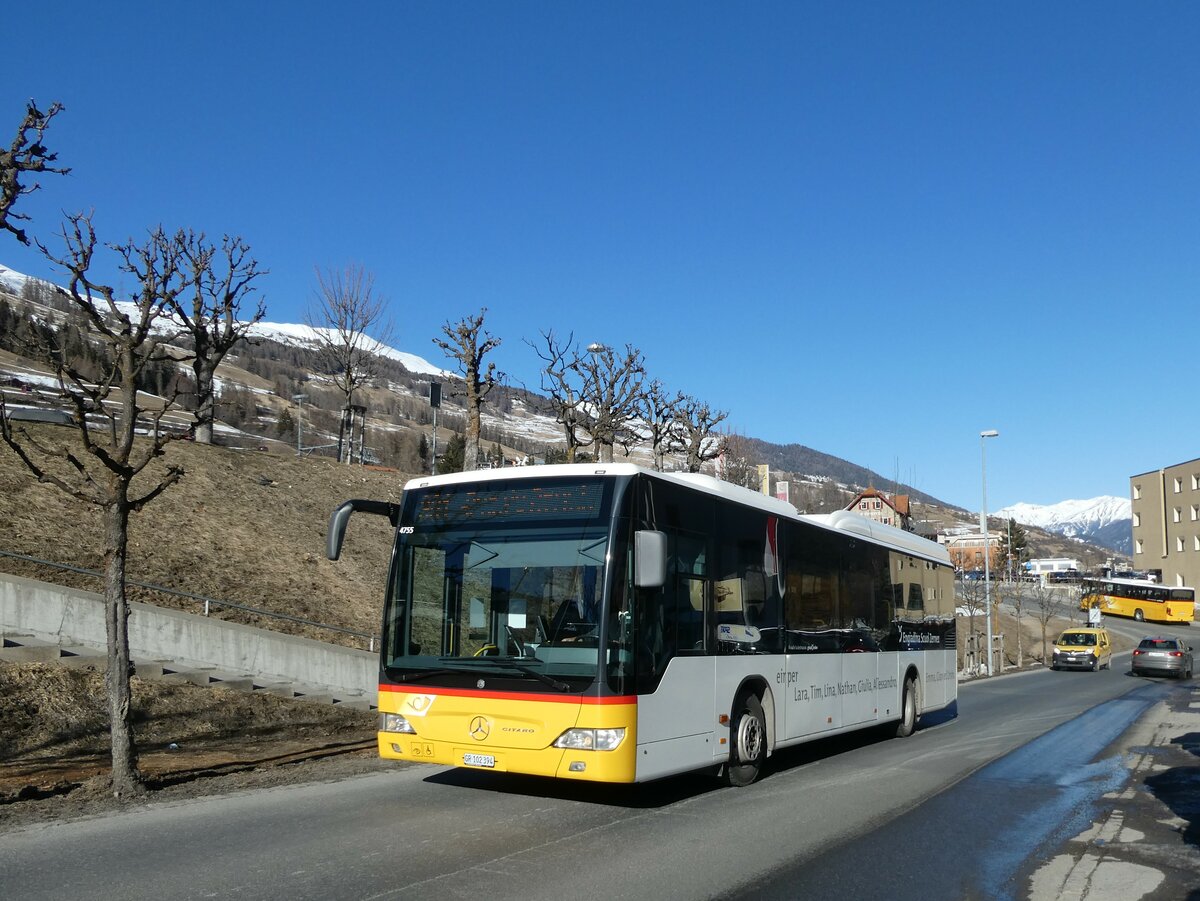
650 795
1179 787
665 792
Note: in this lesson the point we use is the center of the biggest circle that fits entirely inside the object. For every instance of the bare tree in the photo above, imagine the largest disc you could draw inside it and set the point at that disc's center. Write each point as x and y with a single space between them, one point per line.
970 596
103 464
346 309
660 413
1014 594
212 317
611 392
26 155
468 343
561 380
735 465
1047 605
698 420
817 494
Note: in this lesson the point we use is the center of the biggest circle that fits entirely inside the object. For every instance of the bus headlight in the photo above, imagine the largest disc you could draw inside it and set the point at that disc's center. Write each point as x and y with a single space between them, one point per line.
590 739
394 722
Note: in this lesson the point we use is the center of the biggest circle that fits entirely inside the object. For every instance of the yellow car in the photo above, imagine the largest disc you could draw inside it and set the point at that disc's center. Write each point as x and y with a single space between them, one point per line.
1082 648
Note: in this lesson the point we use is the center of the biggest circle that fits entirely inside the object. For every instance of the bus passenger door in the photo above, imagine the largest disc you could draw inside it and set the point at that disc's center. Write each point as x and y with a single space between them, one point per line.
676 727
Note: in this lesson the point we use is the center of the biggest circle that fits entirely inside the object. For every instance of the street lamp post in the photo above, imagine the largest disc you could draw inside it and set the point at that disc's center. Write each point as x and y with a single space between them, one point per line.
299 399
598 350
987 553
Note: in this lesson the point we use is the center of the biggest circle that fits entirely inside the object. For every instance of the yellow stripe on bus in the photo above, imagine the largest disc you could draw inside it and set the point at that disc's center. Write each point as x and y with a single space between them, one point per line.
510 733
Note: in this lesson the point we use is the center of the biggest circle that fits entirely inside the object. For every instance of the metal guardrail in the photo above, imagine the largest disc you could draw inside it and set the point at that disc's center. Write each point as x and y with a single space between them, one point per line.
208 602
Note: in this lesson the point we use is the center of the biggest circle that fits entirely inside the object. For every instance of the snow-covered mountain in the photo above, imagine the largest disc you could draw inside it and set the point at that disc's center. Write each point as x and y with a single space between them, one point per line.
11 280
304 335
519 420
284 333
1106 520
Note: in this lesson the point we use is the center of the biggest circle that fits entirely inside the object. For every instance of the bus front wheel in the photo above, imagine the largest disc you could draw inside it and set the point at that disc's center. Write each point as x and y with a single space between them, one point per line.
1139 616
908 710
748 734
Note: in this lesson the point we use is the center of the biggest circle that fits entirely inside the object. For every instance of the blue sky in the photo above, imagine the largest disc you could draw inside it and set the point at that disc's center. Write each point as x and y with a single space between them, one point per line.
873 229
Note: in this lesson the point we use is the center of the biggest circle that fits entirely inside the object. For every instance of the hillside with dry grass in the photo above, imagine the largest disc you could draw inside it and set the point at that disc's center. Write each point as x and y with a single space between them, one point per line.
242 526
247 527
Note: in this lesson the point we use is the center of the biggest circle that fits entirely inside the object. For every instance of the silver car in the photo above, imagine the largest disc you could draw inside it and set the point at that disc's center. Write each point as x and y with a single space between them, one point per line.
1162 657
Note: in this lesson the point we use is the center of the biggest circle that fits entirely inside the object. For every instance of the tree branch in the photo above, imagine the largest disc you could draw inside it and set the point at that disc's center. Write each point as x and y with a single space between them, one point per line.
26 154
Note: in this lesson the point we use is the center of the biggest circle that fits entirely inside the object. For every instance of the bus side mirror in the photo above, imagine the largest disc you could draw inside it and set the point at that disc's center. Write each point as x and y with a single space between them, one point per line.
649 559
341 516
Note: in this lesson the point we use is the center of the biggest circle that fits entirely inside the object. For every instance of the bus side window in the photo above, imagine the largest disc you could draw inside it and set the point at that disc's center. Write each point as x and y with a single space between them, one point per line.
685 601
747 601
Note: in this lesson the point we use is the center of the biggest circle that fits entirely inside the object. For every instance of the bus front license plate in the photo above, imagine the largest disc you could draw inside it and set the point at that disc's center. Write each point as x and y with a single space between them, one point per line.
487 760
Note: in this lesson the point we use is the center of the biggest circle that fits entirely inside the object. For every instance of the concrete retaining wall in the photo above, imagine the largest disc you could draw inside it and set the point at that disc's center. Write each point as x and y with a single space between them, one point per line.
68 616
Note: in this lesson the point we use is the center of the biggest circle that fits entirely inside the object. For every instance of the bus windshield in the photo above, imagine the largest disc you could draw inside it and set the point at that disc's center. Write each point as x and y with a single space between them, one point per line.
502 581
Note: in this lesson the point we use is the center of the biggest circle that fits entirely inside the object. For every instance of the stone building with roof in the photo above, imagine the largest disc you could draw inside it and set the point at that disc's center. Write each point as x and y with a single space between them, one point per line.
874 504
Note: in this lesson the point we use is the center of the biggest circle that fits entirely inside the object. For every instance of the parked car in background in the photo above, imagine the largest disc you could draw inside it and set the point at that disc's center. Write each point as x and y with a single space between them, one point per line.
1081 648
1162 657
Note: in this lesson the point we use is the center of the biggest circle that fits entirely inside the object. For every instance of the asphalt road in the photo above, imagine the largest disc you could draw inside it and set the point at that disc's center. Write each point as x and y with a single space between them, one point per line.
951 812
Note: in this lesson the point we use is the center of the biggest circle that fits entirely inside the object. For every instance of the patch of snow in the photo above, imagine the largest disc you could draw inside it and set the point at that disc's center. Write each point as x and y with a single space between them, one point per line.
220 383
223 429
38 379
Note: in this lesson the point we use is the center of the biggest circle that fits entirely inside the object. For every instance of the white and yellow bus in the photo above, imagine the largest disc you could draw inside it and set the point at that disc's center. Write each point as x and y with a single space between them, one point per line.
1139 599
608 623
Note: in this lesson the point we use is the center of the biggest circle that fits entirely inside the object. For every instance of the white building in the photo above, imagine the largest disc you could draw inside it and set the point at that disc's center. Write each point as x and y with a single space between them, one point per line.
1044 566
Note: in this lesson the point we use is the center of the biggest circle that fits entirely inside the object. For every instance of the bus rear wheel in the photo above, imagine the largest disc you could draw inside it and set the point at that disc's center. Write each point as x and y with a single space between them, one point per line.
748 741
1139 616
908 710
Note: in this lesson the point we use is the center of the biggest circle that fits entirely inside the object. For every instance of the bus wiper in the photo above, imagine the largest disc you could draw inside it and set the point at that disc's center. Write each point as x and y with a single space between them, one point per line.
423 674
541 677
508 663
